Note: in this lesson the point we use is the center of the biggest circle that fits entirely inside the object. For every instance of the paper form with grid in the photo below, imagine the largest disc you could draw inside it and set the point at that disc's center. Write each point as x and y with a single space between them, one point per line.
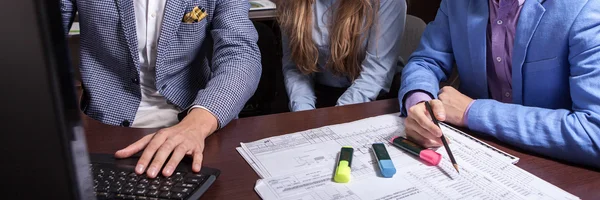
299 166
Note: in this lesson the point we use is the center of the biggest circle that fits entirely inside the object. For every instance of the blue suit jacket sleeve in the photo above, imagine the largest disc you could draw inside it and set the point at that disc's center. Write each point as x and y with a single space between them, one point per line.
568 134
67 10
236 66
431 62
572 135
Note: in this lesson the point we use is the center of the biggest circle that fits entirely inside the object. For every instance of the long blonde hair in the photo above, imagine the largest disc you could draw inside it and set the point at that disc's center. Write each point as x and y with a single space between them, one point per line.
351 20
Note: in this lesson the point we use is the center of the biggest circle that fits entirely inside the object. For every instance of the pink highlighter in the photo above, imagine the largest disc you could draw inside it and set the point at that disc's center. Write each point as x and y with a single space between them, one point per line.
427 155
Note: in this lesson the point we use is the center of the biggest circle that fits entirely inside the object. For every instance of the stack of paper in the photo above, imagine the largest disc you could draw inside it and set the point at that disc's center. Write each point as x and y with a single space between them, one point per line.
74 29
261 5
299 166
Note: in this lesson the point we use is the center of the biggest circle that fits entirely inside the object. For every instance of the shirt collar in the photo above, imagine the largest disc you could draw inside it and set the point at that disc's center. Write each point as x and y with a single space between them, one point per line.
521 2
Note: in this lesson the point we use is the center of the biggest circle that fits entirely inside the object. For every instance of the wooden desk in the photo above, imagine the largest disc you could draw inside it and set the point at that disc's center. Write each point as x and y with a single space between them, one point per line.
237 178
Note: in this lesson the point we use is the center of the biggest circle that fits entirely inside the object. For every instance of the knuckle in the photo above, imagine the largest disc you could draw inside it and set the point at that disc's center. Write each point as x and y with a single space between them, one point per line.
182 147
158 161
153 146
168 145
173 141
155 161
172 163
155 165
182 138
418 123
442 96
197 151
148 136
143 161
436 144
163 132
416 108
421 120
175 136
428 144
412 109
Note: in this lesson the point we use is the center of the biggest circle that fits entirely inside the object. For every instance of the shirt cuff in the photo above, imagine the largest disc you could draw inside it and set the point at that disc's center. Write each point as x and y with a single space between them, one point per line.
466 114
203 108
414 98
302 106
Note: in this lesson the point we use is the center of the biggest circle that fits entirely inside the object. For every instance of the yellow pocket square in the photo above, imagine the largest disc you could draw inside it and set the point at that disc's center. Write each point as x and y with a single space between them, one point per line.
196 15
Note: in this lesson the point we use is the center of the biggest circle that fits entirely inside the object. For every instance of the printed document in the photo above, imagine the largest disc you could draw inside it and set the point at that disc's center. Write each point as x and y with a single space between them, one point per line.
300 166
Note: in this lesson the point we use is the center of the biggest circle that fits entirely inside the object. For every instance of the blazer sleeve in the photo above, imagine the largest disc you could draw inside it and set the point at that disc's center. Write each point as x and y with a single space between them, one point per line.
432 61
68 8
383 49
299 87
236 66
568 134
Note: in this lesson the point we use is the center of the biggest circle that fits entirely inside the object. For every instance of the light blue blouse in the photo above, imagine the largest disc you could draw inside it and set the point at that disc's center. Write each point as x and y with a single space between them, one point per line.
378 68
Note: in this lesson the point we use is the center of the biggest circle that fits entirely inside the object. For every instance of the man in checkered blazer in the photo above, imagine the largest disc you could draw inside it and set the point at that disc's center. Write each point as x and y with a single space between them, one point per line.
143 65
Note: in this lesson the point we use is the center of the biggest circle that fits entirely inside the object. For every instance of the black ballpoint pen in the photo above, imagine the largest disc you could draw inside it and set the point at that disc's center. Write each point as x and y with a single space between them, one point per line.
437 123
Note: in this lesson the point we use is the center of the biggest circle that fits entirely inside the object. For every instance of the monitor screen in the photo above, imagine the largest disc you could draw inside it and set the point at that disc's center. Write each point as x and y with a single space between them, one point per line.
42 141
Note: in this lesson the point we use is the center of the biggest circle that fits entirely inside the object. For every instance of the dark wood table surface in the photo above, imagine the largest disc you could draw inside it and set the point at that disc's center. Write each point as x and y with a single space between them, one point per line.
237 178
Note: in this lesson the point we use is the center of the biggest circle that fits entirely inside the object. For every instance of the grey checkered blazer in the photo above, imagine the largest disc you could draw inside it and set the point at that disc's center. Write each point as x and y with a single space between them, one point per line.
213 63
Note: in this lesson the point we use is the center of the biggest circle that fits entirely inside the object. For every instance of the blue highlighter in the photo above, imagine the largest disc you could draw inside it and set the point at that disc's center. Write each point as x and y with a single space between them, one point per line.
386 167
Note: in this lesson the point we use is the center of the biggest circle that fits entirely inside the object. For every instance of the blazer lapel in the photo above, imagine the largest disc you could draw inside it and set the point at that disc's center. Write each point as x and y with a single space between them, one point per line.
529 19
174 11
127 16
477 21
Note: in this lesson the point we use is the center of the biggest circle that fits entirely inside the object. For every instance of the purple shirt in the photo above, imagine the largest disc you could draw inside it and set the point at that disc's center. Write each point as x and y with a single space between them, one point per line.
500 40
502 24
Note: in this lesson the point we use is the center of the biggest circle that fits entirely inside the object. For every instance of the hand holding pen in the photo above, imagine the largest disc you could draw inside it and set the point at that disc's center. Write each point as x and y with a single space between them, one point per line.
422 126
437 123
419 126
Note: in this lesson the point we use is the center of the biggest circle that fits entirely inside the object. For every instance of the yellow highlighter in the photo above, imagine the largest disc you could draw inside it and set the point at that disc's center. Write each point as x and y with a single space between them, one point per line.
342 171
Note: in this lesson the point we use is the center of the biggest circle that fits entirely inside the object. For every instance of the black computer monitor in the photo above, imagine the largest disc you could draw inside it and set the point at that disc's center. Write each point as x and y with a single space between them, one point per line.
42 149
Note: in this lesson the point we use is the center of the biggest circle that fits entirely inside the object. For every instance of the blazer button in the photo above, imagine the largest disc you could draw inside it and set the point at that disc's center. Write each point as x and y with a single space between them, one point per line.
125 123
164 87
135 80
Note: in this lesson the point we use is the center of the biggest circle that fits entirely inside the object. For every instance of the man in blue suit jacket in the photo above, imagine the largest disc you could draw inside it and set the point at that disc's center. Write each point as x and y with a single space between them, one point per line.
144 64
532 66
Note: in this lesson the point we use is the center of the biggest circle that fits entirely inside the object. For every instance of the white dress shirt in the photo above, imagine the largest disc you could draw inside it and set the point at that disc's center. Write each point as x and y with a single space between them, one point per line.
154 110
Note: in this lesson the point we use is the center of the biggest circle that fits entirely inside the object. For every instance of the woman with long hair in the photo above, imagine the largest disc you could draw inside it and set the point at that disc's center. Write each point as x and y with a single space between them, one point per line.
338 52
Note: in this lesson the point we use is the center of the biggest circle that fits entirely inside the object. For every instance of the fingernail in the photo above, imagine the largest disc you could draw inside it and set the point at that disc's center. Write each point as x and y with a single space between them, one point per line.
169 170
197 166
152 171
441 115
139 168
